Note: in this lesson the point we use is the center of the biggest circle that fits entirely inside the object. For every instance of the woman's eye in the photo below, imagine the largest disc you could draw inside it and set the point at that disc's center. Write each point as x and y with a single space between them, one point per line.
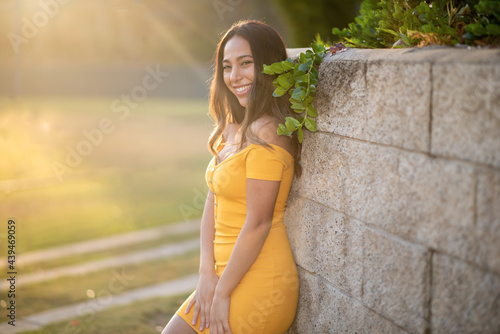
246 63
226 67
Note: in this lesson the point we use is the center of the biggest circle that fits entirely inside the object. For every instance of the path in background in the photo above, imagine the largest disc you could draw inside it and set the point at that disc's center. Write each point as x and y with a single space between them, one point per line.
39 320
105 243
165 289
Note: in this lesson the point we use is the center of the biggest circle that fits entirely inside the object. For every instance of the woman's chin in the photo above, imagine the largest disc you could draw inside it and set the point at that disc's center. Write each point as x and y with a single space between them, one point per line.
243 102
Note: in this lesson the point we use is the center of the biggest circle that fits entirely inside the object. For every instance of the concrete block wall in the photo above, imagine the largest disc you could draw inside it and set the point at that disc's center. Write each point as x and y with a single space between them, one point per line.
395 222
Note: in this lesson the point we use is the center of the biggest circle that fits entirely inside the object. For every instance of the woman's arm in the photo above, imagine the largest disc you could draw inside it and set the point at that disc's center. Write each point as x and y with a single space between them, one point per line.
202 300
261 198
207 235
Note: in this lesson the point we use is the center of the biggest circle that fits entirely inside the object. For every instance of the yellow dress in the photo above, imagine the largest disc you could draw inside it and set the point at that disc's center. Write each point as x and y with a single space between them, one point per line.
265 300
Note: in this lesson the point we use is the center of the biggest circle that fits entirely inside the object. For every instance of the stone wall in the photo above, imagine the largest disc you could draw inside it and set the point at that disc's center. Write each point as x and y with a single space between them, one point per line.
395 222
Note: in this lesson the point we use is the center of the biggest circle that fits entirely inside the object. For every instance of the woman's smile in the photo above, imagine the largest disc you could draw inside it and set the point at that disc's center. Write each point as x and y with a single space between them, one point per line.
242 90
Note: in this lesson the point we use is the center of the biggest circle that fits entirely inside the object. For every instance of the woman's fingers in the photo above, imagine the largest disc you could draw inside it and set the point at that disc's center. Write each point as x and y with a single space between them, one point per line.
196 313
227 329
202 319
207 316
190 304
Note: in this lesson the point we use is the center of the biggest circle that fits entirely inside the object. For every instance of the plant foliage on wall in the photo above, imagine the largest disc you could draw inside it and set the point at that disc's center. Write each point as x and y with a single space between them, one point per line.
406 23
298 78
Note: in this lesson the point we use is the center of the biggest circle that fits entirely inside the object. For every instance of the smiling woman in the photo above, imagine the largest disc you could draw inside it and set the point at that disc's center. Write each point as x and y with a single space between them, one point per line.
248 279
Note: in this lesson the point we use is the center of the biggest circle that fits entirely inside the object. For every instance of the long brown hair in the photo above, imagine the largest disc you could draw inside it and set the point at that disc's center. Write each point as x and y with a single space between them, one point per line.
267 47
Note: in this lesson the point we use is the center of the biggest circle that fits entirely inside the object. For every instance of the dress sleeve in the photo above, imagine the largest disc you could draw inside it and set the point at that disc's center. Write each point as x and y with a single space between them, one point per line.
265 164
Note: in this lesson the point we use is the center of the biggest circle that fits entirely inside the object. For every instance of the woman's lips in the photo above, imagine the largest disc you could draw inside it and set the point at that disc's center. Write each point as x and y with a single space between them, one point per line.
242 90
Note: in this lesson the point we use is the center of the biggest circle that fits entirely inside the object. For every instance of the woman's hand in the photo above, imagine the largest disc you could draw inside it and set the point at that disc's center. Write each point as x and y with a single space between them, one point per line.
219 315
202 299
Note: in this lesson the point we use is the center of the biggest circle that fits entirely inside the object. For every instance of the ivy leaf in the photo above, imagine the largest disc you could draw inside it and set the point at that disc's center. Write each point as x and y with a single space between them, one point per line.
298 76
297 93
300 135
304 67
268 70
281 129
287 65
311 111
279 91
310 124
283 82
294 121
277 68
493 29
298 107
289 124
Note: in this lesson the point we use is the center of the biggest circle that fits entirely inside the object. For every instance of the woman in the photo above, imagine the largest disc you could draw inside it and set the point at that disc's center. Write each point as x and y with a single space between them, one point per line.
248 279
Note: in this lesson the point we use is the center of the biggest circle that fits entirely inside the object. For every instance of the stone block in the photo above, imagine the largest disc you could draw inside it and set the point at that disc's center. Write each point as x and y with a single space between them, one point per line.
411 195
465 299
396 280
466 112
488 219
386 103
342 98
323 309
327 243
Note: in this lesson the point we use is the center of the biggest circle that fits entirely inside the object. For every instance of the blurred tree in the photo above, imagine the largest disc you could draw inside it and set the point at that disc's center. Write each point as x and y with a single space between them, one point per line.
307 18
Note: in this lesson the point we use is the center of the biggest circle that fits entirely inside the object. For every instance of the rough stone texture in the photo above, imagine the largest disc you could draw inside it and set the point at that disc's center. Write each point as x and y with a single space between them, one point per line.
342 99
431 54
395 276
395 222
383 103
334 242
466 112
488 219
323 309
465 299
411 195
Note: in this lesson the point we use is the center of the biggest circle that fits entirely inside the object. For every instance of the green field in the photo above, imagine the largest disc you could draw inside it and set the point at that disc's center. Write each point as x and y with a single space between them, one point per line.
146 317
139 175
147 170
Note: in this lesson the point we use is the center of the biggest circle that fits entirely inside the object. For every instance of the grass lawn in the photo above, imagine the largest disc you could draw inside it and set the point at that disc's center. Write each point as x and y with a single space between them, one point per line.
139 175
142 173
116 251
68 290
144 317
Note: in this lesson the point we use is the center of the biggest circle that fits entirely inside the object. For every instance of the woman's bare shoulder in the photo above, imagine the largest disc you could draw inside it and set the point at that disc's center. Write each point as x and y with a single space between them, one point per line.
265 128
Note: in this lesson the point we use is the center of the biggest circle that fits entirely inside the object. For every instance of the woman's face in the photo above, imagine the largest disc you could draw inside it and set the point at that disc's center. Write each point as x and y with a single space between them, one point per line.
238 67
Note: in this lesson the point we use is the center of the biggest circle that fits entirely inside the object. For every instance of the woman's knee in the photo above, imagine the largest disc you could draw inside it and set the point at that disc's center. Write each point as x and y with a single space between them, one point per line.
177 325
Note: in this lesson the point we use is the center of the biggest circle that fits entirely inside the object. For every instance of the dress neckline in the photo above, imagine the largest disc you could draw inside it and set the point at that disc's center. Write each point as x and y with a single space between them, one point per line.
245 149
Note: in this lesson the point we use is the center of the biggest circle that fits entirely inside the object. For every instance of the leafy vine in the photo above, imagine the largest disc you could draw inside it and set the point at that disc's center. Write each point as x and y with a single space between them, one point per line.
299 78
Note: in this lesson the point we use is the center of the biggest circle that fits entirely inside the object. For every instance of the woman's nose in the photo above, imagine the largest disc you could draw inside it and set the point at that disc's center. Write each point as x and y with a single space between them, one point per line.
235 74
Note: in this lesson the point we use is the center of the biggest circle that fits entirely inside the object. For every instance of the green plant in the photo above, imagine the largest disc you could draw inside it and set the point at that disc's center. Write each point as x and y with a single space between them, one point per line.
485 29
299 79
406 23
